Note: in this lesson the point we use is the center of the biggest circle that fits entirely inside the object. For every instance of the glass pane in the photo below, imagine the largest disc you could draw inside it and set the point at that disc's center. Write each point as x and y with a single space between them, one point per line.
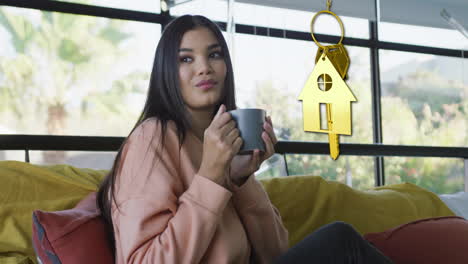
281 18
424 36
271 72
424 99
272 167
79 159
17 155
212 9
73 75
140 5
354 171
440 175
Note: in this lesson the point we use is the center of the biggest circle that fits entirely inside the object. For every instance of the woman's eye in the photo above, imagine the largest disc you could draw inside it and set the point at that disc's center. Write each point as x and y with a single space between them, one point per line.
185 59
216 54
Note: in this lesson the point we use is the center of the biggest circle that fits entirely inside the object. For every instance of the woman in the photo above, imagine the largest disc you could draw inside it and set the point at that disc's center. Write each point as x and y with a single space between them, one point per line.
177 192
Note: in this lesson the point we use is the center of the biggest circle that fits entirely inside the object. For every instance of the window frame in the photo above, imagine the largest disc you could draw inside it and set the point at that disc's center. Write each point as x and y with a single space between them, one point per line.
377 149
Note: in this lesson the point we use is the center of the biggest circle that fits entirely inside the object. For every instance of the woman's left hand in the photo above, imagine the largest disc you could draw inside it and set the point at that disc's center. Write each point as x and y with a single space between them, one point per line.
242 166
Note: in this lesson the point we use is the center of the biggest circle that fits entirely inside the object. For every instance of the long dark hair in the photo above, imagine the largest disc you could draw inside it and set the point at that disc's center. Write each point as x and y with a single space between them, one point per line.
164 100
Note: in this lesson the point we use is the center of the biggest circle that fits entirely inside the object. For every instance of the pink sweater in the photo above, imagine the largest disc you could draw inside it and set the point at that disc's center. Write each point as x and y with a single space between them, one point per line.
167 213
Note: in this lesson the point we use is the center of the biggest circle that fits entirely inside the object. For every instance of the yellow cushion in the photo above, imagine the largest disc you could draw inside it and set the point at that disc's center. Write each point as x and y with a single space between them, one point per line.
15 258
24 188
309 202
305 203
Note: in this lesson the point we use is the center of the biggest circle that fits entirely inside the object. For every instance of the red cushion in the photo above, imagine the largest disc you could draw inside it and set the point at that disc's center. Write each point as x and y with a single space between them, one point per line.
72 236
427 241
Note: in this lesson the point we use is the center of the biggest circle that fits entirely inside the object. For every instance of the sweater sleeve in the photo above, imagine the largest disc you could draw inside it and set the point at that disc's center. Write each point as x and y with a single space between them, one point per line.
157 221
262 221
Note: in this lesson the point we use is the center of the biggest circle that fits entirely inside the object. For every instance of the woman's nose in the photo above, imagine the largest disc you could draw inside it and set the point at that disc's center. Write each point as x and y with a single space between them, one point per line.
204 67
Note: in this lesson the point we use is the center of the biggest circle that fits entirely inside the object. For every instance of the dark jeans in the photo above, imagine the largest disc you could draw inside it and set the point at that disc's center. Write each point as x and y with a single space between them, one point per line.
337 242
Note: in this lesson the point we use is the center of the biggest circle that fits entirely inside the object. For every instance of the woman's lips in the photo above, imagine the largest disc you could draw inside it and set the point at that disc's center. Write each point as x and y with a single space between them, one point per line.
206 85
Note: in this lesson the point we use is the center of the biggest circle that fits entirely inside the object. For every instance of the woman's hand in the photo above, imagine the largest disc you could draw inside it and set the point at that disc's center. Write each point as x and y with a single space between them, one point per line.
221 142
242 166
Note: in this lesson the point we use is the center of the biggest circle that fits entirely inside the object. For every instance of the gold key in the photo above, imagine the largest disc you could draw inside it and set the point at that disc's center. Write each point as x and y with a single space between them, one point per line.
338 56
333 139
326 85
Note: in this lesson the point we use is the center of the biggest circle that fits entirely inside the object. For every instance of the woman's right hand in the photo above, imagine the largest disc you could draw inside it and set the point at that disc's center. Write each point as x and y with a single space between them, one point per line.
221 142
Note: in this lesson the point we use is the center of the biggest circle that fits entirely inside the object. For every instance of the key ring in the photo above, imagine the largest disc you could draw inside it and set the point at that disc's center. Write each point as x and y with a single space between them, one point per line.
312 27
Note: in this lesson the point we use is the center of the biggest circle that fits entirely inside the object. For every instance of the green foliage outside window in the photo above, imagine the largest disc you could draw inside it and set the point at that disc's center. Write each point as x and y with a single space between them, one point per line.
422 108
52 55
58 79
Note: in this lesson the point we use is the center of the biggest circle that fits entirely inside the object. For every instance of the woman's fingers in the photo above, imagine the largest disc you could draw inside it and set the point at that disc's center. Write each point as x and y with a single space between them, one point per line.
270 148
268 126
221 118
256 159
232 135
222 125
221 109
237 144
228 128
274 139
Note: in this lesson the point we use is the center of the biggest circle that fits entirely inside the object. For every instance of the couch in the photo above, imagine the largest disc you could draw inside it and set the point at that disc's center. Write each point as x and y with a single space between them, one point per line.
305 203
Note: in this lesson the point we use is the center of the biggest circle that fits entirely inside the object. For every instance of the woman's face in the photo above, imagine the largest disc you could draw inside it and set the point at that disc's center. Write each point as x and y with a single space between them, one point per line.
202 69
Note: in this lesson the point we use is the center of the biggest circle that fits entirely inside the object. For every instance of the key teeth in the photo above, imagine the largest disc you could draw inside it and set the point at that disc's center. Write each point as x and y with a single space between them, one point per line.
334 147
334 155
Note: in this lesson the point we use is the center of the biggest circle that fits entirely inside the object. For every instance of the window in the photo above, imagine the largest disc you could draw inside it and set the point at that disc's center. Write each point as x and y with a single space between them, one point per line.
425 98
271 72
140 5
440 175
212 9
423 36
64 74
355 171
275 166
282 18
16 155
80 159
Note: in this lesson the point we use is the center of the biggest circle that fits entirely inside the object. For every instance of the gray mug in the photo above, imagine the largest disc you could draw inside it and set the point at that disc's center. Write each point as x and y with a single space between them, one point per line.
250 124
